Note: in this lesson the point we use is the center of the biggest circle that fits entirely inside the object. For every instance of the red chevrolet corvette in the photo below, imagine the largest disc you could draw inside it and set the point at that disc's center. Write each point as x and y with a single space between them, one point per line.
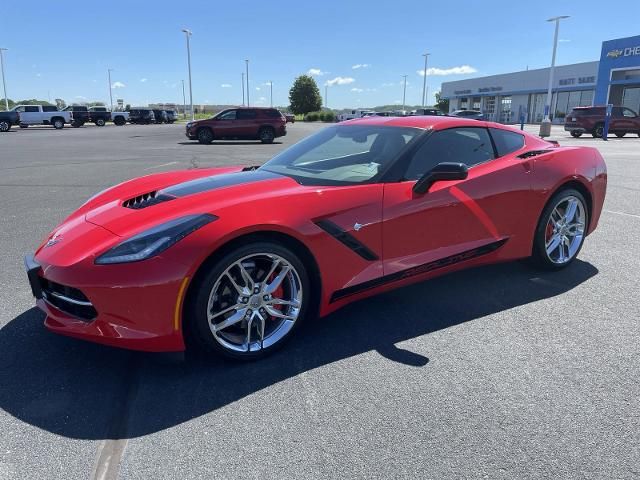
234 259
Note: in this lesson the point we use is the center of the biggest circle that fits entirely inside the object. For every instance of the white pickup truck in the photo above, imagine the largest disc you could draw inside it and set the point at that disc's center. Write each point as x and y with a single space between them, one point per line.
353 114
119 118
42 115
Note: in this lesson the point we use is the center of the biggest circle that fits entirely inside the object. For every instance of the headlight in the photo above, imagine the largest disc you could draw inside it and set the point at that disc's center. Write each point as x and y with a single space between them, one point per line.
189 124
155 240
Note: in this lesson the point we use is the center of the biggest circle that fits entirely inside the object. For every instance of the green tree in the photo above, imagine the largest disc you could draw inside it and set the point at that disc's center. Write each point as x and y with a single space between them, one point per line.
442 103
304 95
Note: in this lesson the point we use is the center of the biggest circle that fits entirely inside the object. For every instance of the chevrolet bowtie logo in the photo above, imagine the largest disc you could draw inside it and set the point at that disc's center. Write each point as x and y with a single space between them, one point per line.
53 240
614 53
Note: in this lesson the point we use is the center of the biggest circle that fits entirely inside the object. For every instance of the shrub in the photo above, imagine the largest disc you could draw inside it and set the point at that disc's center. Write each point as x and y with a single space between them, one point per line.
328 116
311 117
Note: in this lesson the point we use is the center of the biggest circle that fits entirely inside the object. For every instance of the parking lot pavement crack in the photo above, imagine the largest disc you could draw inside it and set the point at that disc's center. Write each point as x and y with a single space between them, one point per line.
111 450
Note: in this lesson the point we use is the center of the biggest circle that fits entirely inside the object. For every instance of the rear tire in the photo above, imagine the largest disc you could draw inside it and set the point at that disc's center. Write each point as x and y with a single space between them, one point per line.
22 125
100 122
119 121
256 331
576 133
5 126
205 136
58 123
567 234
266 135
77 124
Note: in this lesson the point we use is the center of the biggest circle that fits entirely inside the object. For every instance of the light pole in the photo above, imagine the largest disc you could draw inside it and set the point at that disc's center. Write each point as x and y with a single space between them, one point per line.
271 93
545 126
404 94
109 70
188 34
424 80
247 65
184 102
243 89
4 85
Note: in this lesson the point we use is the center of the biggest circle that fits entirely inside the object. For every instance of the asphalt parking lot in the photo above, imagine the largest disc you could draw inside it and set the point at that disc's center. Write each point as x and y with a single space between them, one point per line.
498 372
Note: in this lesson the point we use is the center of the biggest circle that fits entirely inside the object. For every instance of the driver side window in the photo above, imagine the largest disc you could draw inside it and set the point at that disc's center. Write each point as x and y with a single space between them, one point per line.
627 112
231 115
468 145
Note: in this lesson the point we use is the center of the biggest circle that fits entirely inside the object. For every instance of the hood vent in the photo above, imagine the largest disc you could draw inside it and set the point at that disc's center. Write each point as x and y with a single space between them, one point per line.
146 200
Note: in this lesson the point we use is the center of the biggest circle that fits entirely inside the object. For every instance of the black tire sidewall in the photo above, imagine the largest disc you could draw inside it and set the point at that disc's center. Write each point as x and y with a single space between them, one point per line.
270 138
5 126
539 256
198 329
208 135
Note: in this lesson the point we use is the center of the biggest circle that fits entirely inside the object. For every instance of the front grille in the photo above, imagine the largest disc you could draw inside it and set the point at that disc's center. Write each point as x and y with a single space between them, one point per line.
146 200
68 299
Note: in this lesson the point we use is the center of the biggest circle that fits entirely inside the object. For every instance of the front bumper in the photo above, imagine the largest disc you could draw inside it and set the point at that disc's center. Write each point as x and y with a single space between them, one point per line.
137 308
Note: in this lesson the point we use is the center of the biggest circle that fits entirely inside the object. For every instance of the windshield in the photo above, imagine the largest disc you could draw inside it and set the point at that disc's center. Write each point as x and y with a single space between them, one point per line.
343 155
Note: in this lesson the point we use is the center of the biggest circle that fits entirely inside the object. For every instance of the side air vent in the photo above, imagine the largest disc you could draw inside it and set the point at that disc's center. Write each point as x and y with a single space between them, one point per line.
146 200
533 153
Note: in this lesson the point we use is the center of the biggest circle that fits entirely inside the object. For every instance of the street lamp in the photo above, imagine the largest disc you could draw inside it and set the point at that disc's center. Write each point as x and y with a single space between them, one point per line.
271 94
109 70
404 94
424 80
242 89
188 34
4 85
545 126
184 102
247 65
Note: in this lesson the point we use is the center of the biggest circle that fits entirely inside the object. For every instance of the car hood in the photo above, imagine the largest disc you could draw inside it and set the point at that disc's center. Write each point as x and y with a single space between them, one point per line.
139 204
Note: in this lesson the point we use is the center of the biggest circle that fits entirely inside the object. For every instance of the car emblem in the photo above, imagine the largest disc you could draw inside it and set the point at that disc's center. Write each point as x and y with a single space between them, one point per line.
614 53
53 240
357 226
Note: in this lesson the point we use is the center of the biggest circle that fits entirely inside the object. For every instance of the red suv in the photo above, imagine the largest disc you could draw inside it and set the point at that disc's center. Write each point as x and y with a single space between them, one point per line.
252 123
591 120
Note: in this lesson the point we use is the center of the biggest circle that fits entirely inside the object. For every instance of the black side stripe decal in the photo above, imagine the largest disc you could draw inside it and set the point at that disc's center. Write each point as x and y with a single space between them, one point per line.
347 239
420 269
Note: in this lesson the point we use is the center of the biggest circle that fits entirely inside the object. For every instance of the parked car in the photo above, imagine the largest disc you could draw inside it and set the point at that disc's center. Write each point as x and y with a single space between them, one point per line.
160 116
80 114
8 119
351 115
141 116
172 116
42 115
290 117
98 112
472 114
591 120
427 111
254 123
233 260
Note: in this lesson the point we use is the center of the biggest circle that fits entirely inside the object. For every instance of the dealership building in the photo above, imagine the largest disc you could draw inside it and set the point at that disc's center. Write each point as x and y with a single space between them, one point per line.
505 98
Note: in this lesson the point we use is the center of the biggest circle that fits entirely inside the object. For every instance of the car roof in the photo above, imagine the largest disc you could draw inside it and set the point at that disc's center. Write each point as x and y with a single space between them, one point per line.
425 122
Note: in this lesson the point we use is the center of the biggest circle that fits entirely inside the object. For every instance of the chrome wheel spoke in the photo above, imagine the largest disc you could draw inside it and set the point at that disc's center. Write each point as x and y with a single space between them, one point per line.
278 301
245 276
553 244
239 289
229 321
261 326
572 207
276 282
278 314
222 312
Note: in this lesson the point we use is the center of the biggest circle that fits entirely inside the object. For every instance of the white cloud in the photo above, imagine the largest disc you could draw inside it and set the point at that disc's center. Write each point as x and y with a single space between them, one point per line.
226 85
142 80
391 84
118 85
38 75
461 70
340 81
357 90
80 97
564 40
316 72
361 65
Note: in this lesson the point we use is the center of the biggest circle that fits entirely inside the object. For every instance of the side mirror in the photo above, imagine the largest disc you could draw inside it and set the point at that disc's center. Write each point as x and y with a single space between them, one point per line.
442 171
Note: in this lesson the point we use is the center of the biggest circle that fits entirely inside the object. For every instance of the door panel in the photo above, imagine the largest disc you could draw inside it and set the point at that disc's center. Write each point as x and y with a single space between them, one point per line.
458 216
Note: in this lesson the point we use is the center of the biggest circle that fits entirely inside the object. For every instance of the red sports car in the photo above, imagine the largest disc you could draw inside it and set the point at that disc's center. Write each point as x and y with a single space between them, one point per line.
234 259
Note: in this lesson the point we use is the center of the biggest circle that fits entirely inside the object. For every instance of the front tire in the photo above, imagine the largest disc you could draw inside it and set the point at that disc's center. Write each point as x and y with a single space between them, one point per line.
561 230
5 126
250 303
576 133
621 134
22 125
100 122
598 131
205 136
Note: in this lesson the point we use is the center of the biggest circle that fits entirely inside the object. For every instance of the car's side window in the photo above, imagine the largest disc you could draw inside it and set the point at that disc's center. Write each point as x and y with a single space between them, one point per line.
506 141
31 109
627 112
246 114
468 145
231 115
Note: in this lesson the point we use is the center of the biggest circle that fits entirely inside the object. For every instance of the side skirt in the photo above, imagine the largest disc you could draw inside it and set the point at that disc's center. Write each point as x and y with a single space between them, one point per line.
419 270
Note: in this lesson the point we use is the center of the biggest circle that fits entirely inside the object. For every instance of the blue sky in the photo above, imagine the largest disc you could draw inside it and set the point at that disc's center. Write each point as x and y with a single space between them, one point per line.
64 49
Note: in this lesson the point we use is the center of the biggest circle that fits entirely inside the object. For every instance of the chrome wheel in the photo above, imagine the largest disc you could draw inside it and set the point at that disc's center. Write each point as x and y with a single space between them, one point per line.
254 303
564 232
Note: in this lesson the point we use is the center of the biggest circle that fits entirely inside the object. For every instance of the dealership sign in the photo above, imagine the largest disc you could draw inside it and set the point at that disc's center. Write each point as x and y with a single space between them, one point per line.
627 52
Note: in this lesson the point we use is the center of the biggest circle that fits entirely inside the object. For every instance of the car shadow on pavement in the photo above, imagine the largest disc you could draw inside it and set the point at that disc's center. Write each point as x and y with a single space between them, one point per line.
229 142
87 391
